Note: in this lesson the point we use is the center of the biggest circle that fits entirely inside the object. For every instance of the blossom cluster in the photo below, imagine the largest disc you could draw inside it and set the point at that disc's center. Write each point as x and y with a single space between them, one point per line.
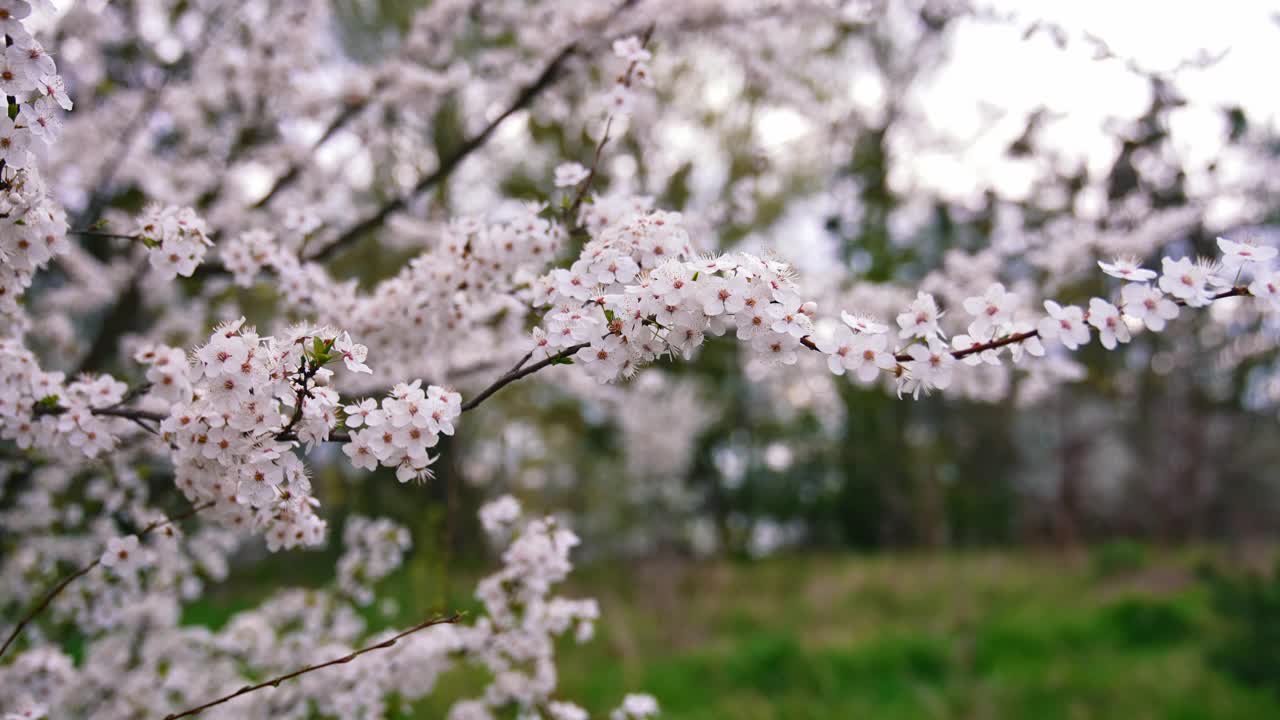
631 50
514 641
373 549
176 239
998 323
399 432
131 550
41 410
252 399
448 307
637 293
33 231
30 76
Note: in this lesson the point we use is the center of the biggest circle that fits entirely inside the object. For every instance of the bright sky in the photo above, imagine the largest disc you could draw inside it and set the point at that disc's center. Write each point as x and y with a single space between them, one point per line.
994 78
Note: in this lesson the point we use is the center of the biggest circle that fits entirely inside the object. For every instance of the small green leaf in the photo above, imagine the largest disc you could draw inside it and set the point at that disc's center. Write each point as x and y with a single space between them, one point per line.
562 361
48 401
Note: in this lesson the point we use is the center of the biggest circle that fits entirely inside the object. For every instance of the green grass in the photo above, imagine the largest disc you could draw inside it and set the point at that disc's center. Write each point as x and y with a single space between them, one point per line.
896 637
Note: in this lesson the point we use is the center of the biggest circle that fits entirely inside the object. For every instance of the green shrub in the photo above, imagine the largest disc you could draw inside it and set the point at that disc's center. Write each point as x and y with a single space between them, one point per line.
1146 623
1248 607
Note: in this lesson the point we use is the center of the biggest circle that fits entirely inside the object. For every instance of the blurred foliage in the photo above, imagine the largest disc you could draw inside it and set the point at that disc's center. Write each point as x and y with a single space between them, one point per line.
1119 557
1248 608
901 636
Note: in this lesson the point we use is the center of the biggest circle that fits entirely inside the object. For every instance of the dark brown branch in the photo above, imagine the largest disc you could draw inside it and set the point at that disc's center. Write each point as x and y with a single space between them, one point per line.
100 234
121 317
520 371
62 584
113 411
544 80
307 372
275 682
295 170
571 213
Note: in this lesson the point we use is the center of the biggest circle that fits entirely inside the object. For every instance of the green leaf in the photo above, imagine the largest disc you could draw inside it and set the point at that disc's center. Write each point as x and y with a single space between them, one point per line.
562 361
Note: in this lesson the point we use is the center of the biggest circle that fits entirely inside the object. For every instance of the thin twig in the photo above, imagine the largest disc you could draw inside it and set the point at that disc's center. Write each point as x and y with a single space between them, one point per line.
577 229
520 371
62 585
304 392
295 170
585 186
275 682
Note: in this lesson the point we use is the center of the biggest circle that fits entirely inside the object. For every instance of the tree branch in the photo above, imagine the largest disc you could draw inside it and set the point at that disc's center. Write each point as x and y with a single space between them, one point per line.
275 682
121 317
291 175
62 585
100 234
1238 291
520 371
544 80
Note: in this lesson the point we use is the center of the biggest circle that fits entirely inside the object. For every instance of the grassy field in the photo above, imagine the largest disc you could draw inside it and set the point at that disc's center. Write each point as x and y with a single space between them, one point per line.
1116 634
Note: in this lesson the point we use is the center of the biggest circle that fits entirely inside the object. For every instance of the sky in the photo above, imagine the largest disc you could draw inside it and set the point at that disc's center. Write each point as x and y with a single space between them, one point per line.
996 75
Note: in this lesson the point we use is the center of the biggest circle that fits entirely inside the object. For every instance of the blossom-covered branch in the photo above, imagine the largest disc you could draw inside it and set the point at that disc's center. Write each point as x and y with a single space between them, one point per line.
275 681
117 551
545 79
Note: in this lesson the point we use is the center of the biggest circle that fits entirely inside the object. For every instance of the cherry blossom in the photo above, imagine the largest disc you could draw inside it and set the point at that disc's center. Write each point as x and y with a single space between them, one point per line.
1110 324
1127 269
1186 280
1149 305
920 320
990 310
1236 254
570 174
1064 324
